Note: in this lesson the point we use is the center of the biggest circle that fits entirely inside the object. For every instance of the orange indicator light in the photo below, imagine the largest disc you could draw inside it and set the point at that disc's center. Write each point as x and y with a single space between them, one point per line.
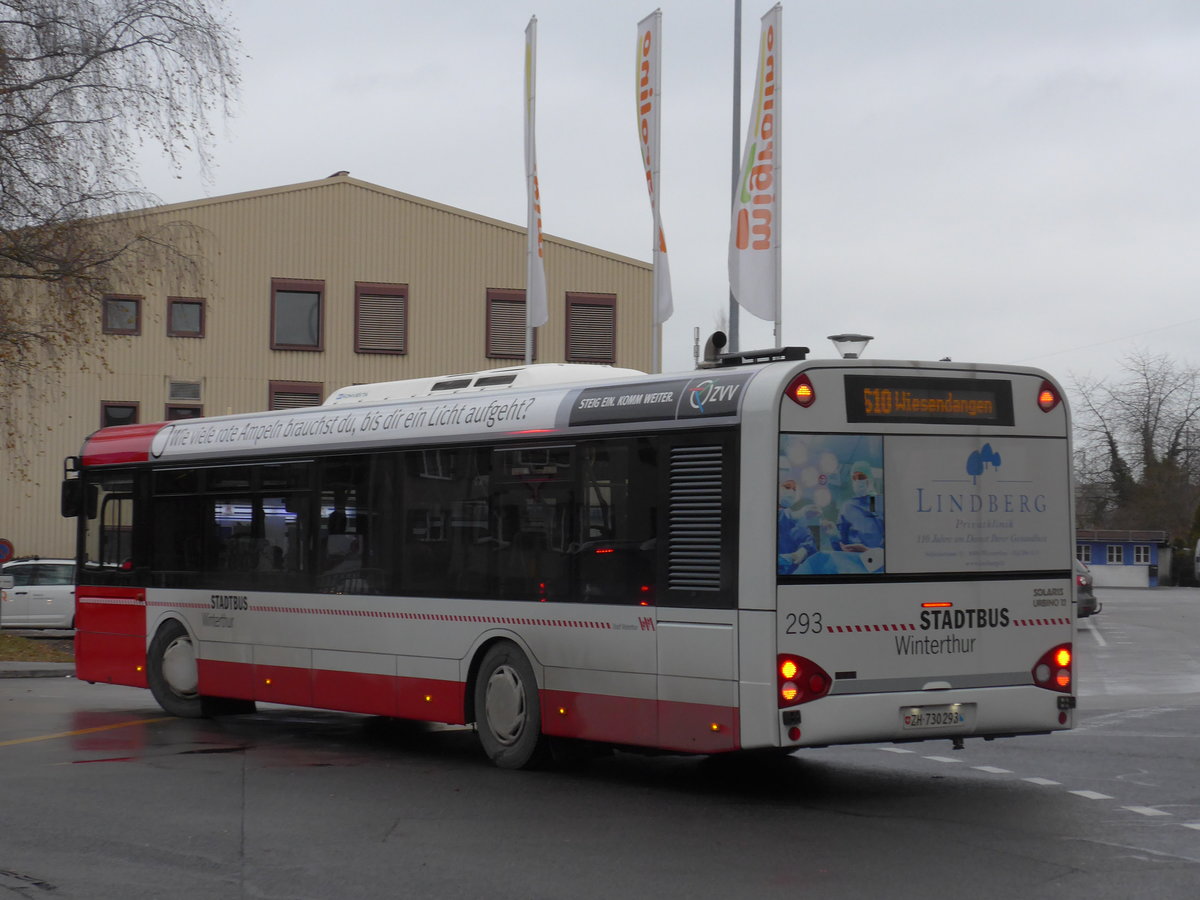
562 710
1063 657
428 698
788 669
938 605
715 727
266 681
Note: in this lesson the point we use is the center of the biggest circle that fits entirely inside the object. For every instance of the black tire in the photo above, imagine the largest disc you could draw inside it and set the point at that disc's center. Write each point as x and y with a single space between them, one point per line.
171 671
508 711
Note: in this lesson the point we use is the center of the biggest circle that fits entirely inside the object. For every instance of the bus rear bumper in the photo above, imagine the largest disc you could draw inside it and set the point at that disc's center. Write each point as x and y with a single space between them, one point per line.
924 715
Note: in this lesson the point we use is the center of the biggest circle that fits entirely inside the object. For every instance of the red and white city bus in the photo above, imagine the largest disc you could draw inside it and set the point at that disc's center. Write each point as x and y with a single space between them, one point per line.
773 552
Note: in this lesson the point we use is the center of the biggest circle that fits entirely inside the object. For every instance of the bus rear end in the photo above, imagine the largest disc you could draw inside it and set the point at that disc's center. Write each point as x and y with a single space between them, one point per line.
923 538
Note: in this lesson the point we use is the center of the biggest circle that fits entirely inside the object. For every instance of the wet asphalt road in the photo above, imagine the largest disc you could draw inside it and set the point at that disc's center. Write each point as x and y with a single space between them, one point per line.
102 795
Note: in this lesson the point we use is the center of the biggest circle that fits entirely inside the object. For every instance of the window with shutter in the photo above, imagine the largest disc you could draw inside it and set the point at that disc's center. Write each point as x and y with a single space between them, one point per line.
506 325
591 328
380 318
295 394
183 392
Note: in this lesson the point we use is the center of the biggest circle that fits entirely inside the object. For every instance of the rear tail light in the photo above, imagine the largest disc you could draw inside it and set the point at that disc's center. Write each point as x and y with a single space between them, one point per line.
1048 397
1053 670
800 680
800 391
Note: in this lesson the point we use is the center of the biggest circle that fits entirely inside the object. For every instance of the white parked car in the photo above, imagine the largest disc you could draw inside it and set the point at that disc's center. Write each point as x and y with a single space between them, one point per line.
42 594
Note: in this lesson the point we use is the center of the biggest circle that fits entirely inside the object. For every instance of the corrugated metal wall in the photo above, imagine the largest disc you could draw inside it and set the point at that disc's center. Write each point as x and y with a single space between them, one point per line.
340 231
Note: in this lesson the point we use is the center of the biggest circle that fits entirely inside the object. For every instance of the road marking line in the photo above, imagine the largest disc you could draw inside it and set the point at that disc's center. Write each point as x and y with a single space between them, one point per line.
1087 623
1044 781
63 734
1091 795
949 759
1146 810
994 770
897 750
1193 825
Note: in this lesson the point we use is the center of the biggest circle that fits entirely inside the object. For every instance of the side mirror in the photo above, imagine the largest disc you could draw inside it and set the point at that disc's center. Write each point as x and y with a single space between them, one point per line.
71 497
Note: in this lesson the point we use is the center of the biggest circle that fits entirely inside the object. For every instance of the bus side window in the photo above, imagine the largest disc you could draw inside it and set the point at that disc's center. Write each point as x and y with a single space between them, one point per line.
615 558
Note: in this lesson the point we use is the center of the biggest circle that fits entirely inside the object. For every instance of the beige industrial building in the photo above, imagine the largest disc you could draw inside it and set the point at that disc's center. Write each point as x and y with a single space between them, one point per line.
299 290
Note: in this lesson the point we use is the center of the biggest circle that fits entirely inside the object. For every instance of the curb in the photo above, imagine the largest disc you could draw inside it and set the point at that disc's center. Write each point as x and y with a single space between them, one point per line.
36 670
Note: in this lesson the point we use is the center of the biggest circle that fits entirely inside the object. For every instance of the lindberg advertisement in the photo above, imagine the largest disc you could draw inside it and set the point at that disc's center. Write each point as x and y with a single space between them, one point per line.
860 505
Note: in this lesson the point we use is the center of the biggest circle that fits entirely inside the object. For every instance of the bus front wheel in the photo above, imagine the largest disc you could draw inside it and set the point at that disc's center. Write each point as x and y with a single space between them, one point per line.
508 712
171 671
174 680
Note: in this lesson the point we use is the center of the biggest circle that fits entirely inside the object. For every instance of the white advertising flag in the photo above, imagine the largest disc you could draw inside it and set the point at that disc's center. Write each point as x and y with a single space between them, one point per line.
536 309
649 94
754 251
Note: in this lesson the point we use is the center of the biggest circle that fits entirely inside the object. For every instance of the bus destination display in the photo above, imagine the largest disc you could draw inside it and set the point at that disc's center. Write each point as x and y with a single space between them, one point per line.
959 401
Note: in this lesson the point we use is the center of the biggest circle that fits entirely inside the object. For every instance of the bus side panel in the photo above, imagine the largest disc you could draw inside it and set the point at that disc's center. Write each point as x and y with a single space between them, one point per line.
355 682
757 645
665 724
599 717
697 681
110 635
224 678
698 727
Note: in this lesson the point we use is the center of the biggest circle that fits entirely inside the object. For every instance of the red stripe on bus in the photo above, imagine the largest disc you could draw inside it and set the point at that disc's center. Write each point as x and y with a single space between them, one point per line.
120 444
670 725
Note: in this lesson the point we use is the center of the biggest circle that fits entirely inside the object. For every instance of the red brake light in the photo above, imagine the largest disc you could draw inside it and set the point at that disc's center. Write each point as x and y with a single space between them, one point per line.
1048 397
800 680
801 392
1053 670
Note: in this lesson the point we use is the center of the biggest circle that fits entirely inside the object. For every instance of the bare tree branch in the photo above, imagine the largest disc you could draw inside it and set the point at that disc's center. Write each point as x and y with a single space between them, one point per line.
84 84
1137 463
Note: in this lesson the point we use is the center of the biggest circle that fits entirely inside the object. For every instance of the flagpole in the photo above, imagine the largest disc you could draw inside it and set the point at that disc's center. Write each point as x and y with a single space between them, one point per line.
536 306
732 343
530 223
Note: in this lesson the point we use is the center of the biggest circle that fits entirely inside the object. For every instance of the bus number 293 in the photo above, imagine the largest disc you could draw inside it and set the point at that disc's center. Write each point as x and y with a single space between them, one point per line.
804 623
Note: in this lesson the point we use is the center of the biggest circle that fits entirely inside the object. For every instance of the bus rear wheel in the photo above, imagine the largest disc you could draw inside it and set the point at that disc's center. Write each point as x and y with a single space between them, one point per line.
508 711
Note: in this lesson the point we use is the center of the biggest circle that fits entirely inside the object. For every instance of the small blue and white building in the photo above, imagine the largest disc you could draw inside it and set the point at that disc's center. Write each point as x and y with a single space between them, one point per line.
1123 558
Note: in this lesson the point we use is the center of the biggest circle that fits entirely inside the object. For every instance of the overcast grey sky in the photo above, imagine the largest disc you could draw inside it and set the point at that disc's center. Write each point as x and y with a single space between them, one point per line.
993 180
